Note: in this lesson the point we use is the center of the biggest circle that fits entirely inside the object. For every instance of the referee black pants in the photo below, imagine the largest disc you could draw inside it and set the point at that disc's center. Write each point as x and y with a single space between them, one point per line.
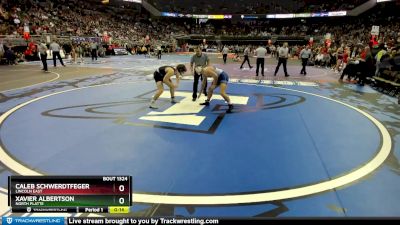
260 62
284 62
196 84
43 57
57 54
246 58
304 64
94 54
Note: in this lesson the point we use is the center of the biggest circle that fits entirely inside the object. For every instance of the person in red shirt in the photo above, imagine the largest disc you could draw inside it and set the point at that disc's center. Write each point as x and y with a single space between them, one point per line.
363 54
28 54
373 42
346 57
342 63
32 46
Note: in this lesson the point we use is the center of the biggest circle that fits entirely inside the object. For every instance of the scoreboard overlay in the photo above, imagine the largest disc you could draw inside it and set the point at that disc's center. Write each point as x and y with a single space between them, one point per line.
96 194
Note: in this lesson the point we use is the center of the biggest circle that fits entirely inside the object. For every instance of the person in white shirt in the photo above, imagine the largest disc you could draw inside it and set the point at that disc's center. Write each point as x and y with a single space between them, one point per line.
225 51
260 52
159 52
283 56
42 48
273 50
94 47
305 54
55 48
246 57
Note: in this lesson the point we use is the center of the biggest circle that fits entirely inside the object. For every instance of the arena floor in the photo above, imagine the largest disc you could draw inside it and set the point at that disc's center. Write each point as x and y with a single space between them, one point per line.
302 146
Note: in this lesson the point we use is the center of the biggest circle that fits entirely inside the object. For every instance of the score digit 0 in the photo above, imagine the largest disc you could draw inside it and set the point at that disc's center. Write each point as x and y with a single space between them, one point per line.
121 188
121 200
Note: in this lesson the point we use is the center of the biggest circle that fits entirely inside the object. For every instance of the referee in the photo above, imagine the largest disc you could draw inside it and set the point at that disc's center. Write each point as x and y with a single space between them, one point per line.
246 57
283 54
55 48
261 52
94 47
305 54
43 54
225 51
198 59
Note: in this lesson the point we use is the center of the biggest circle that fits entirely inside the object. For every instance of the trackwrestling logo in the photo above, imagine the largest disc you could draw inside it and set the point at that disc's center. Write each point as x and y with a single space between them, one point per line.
33 220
